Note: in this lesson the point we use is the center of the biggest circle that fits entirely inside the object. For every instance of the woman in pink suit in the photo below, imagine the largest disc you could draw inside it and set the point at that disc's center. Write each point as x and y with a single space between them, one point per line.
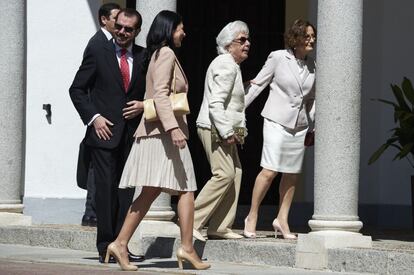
159 159
288 112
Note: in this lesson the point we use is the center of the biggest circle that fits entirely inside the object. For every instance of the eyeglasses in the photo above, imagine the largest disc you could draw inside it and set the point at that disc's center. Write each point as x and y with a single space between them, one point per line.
242 40
309 37
127 29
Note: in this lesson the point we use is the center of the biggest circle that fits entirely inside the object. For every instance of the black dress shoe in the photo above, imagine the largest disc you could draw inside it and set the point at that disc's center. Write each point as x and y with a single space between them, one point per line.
112 260
89 221
135 258
93 221
102 258
85 220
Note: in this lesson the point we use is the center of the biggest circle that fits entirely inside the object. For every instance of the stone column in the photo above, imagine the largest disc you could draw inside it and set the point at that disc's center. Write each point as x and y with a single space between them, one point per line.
148 10
12 112
157 222
335 222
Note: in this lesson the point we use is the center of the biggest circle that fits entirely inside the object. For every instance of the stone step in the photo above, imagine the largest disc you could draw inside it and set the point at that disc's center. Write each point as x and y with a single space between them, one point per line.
386 257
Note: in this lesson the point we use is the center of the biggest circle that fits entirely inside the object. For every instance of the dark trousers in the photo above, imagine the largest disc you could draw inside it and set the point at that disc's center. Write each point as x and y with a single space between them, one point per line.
90 204
112 203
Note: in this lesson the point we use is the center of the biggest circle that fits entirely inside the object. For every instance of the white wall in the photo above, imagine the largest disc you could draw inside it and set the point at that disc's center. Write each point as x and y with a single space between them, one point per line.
57 33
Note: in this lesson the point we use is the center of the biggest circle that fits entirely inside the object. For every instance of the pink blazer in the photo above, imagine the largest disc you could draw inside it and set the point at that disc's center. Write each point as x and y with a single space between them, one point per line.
159 87
291 99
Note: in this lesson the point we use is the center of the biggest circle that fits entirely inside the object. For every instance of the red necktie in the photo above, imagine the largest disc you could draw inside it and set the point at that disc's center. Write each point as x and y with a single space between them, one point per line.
124 69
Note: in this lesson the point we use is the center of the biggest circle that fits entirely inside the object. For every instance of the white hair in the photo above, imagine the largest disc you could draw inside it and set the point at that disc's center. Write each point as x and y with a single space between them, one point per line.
229 33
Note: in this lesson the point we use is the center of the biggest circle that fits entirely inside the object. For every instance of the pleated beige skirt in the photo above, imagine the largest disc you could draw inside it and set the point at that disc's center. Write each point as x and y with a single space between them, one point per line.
283 148
155 161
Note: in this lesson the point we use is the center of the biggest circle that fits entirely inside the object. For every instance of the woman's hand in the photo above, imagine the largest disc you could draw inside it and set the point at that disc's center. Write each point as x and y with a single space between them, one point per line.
134 108
178 138
232 140
248 83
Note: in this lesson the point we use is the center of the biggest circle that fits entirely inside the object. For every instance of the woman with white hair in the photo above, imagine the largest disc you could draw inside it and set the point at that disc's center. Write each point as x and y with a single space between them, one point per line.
220 127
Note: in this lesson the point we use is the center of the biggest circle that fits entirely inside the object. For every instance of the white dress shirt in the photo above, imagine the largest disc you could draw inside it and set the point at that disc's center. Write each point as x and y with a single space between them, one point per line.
107 33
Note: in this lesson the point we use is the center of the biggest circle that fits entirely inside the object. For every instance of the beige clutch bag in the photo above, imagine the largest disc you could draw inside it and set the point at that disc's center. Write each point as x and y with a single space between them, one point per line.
179 104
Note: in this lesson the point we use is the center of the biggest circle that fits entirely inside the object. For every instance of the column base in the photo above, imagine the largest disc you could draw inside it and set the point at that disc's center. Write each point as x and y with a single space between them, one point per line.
14 219
156 229
312 248
347 225
163 215
11 207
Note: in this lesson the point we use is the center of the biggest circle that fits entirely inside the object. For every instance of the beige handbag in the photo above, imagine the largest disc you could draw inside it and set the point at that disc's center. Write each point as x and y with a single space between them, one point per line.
179 104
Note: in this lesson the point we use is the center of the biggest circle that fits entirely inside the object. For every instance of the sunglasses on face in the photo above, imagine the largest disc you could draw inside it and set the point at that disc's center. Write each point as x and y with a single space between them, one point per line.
126 29
241 40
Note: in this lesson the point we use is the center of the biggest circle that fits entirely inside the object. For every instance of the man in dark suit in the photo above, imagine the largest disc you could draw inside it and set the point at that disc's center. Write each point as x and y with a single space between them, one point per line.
107 92
85 178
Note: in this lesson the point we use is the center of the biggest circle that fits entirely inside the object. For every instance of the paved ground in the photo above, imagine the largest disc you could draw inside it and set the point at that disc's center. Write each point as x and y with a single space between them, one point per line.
19 260
392 253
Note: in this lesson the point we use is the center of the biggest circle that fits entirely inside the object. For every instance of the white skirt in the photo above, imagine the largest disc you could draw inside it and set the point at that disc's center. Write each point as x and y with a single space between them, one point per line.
283 148
155 161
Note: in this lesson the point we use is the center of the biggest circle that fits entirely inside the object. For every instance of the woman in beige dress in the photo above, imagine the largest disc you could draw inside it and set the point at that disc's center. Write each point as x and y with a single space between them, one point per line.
159 159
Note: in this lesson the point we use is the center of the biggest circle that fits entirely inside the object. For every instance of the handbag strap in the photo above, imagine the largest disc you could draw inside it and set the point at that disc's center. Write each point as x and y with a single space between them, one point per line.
174 91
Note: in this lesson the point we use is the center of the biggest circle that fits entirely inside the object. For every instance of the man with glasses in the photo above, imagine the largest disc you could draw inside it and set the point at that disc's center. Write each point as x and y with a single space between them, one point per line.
107 92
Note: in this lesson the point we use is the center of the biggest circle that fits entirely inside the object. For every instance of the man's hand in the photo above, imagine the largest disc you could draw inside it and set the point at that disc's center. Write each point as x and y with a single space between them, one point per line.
134 108
101 126
178 138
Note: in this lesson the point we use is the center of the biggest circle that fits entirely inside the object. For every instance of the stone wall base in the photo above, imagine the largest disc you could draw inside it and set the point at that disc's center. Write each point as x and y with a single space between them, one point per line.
312 248
14 219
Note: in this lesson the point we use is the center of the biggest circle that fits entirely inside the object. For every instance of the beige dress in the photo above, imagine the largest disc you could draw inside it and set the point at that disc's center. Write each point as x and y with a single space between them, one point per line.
154 160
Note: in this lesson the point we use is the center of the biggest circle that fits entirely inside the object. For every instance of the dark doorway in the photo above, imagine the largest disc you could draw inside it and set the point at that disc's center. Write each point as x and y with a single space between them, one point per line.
131 4
202 22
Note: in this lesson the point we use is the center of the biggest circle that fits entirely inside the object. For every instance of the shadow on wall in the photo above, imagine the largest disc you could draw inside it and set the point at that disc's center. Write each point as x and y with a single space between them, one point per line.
94 7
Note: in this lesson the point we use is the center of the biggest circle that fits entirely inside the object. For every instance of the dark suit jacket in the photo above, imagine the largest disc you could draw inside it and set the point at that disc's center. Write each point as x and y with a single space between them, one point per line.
98 88
90 93
84 155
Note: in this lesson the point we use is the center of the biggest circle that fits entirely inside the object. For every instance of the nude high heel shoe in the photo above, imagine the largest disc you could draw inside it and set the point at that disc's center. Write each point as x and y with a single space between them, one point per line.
184 256
124 264
277 227
247 234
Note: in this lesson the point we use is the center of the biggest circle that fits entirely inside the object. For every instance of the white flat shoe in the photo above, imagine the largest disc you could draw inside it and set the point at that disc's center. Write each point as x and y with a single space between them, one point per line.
224 235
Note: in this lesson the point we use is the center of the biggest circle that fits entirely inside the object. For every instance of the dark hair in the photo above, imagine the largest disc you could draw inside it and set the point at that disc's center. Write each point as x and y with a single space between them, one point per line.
128 12
161 31
297 33
105 10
